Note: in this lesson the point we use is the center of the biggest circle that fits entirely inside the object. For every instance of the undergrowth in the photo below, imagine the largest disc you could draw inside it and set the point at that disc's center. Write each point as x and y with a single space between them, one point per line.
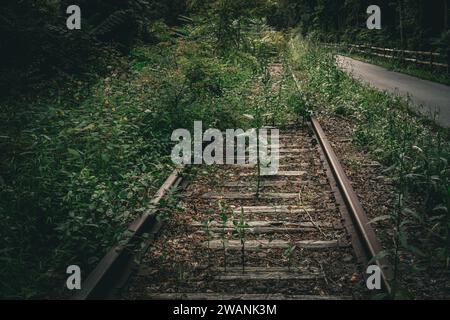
414 151
79 163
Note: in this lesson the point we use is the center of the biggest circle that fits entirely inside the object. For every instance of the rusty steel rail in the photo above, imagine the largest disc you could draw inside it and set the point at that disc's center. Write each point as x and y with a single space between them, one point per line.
366 233
113 269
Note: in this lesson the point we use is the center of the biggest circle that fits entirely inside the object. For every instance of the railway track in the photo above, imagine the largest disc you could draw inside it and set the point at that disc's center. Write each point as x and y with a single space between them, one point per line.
303 236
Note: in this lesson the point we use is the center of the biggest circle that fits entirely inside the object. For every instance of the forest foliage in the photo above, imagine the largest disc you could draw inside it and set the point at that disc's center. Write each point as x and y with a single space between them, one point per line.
36 44
406 24
415 155
86 115
81 161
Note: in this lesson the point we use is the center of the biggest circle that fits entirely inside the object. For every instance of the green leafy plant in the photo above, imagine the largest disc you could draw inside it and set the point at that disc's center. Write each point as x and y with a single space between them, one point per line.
414 151
288 254
206 225
92 154
296 102
240 225
224 208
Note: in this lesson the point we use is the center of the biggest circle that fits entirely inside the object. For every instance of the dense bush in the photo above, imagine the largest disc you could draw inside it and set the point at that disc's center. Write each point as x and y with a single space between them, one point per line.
36 45
80 163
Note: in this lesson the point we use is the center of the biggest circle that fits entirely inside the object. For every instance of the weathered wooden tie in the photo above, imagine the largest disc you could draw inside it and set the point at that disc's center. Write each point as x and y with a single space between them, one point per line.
254 245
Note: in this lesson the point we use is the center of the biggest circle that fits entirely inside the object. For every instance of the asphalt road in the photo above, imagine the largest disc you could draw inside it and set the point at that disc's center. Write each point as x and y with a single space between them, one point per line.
427 97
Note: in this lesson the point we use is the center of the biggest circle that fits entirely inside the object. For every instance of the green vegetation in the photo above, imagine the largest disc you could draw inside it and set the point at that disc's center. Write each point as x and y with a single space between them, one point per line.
224 210
406 24
240 226
37 48
80 162
418 25
415 152
288 254
86 117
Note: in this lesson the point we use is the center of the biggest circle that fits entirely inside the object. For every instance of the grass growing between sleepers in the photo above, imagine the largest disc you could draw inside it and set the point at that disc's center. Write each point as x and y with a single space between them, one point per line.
415 153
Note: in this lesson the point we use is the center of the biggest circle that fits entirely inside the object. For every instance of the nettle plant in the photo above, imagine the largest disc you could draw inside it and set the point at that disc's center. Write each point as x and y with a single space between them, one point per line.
257 121
297 102
402 218
288 255
240 226
224 211
206 226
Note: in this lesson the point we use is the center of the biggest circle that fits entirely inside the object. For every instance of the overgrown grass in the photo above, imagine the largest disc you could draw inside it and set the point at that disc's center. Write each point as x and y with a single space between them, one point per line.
80 163
415 152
